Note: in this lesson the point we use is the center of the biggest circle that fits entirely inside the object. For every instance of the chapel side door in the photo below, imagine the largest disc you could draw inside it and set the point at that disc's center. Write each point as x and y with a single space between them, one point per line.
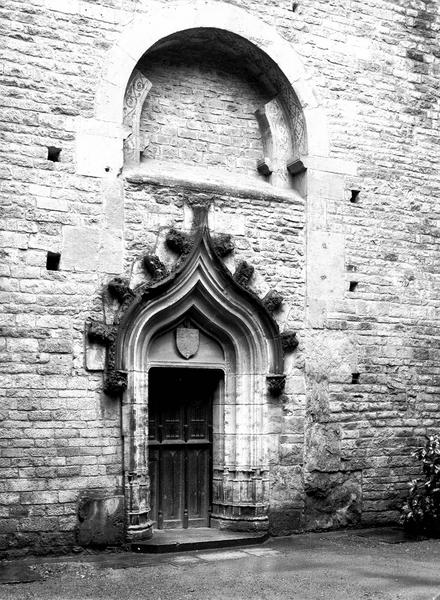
180 409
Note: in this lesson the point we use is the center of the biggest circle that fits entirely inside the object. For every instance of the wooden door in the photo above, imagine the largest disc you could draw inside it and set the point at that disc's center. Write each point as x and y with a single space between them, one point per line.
180 447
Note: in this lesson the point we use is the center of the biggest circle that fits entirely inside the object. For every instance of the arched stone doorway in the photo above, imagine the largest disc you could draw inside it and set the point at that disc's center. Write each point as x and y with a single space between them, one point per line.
199 320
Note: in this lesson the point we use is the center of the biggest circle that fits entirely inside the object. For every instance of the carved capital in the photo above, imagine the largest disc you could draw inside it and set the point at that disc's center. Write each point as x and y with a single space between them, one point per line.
276 384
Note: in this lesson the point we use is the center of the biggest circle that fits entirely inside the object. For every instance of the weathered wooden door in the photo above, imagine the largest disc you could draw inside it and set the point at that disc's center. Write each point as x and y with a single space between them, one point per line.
180 446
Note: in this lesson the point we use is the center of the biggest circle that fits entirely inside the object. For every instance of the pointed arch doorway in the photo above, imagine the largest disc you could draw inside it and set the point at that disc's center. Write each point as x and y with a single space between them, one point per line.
200 352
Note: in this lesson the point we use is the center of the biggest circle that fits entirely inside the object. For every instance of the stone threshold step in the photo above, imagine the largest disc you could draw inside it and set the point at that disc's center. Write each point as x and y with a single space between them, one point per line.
200 538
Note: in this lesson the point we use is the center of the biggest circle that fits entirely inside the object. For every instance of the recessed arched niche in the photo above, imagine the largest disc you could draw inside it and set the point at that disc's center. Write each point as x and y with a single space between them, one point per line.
206 104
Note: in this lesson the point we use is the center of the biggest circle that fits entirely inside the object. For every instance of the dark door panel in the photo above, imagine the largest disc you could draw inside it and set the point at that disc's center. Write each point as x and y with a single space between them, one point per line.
180 422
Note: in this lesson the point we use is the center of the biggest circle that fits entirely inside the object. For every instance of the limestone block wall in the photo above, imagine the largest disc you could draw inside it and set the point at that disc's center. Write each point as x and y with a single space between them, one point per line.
360 279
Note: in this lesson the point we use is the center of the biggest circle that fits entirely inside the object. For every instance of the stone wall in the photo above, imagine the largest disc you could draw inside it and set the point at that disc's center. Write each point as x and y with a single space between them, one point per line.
363 387
200 111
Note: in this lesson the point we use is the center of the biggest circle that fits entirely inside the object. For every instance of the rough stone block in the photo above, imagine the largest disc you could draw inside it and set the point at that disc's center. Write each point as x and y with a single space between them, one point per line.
80 248
101 521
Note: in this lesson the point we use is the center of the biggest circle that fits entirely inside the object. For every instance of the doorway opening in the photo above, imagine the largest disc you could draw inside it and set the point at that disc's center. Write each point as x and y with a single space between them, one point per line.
180 444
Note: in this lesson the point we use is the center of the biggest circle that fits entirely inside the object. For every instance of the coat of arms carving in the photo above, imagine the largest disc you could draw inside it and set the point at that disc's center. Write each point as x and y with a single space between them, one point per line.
187 341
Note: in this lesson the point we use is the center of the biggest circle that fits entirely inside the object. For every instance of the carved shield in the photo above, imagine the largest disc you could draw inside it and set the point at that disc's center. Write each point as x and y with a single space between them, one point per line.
187 341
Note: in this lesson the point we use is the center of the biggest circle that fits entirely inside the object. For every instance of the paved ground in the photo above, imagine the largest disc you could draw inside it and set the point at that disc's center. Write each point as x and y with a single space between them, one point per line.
334 566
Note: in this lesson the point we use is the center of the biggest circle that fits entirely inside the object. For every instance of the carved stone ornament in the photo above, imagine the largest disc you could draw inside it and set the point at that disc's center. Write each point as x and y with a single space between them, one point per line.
223 244
276 384
99 333
135 96
243 273
154 267
119 288
115 382
289 341
179 242
272 301
187 341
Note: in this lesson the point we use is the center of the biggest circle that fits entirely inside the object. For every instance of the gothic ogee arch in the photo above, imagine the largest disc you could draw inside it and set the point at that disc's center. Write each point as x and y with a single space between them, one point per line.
202 291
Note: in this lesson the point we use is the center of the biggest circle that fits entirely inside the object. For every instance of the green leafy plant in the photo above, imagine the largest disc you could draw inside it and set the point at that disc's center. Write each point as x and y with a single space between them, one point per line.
421 511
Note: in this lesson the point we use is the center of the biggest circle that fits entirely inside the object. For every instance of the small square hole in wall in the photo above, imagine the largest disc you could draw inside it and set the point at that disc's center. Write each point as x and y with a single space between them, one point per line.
53 153
355 377
53 261
354 196
352 286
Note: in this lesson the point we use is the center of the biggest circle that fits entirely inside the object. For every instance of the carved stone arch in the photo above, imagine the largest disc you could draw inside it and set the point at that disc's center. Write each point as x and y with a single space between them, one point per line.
203 291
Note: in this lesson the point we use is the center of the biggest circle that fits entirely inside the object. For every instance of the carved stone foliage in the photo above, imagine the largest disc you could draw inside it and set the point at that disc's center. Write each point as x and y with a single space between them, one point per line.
273 300
99 333
178 242
119 288
115 382
137 91
243 273
276 384
223 244
289 341
154 267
